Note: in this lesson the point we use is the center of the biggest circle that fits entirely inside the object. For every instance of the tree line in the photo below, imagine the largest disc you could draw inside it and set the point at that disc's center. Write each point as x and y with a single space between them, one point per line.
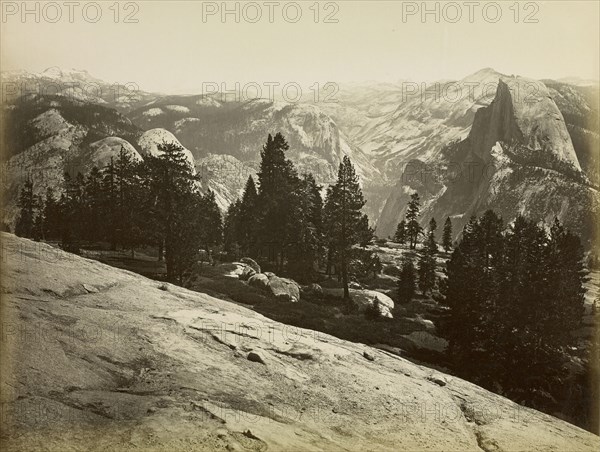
513 296
281 219
128 204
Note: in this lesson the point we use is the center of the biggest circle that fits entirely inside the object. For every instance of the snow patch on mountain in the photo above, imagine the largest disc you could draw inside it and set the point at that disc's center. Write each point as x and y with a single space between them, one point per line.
179 124
178 108
153 112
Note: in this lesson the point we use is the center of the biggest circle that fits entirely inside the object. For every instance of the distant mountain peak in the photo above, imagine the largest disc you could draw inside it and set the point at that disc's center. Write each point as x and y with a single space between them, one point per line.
523 110
484 75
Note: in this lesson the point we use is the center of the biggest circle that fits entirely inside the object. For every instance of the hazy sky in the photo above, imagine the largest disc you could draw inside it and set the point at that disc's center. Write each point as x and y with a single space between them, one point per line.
172 48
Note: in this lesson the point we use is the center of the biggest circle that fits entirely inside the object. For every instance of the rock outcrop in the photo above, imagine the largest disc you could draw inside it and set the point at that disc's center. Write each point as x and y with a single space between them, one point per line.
517 159
128 366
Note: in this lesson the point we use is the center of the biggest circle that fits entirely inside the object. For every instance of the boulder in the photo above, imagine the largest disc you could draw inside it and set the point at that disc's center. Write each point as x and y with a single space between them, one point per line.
250 263
230 269
259 280
424 340
313 289
284 289
365 298
269 274
247 272
256 357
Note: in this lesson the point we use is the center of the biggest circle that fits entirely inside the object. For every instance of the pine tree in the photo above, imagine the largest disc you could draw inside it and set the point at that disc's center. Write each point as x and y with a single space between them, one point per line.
431 234
471 291
93 205
315 216
329 242
447 235
407 280
73 208
278 182
175 207
305 246
232 230
211 222
28 204
185 237
249 220
427 263
39 221
413 229
364 232
129 200
401 233
344 217
109 208
52 216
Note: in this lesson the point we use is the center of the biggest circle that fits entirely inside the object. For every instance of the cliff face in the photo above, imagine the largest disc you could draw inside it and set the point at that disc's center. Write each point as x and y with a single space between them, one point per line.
97 358
517 159
579 106
523 112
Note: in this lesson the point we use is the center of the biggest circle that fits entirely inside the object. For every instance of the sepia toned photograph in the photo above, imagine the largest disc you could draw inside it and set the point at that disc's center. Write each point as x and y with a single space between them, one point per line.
284 226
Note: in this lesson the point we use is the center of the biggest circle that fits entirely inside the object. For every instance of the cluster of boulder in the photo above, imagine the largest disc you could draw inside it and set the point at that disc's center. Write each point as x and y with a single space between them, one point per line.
283 289
288 290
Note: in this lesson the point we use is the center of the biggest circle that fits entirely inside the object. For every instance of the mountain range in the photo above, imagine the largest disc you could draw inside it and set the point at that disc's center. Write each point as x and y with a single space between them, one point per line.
489 140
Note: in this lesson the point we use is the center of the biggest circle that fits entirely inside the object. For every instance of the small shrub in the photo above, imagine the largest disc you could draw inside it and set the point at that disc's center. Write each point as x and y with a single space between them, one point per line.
372 312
